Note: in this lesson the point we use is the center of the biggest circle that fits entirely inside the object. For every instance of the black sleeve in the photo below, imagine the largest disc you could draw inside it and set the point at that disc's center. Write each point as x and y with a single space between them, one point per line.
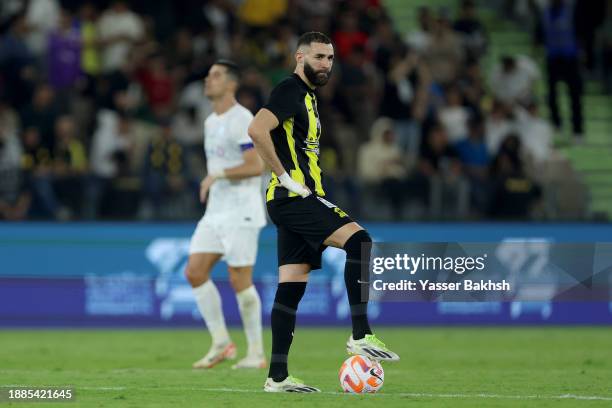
284 100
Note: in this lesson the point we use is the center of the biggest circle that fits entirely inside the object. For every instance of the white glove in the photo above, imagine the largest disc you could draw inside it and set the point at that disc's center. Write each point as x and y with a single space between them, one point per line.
293 186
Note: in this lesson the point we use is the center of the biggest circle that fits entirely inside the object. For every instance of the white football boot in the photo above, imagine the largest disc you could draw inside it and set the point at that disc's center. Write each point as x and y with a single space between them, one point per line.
370 347
289 384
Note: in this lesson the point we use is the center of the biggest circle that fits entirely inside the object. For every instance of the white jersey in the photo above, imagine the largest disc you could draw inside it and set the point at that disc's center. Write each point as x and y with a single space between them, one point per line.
231 202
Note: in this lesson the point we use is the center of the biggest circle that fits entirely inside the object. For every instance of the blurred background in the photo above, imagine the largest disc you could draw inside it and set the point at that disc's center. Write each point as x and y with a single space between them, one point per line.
436 110
475 112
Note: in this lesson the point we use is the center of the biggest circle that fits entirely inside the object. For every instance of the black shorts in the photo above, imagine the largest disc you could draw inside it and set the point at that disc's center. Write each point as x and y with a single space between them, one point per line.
302 225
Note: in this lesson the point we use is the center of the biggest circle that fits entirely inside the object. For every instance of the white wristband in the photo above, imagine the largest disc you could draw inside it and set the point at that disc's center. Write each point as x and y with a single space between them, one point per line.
292 185
218 174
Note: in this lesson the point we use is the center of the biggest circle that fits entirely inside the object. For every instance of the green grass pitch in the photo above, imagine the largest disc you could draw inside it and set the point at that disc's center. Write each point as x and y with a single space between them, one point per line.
440 367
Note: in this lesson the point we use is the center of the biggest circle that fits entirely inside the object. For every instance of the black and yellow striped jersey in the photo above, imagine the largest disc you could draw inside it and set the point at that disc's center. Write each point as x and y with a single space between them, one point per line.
296 138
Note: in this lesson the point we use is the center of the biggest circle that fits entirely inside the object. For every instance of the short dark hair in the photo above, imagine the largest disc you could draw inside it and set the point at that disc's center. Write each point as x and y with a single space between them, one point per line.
232 68
313 36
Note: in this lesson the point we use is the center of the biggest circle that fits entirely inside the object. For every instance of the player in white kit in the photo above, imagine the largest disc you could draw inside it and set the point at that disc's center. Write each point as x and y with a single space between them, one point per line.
230 227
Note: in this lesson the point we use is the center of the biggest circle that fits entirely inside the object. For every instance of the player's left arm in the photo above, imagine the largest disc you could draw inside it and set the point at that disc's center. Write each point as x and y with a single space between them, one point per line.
251 166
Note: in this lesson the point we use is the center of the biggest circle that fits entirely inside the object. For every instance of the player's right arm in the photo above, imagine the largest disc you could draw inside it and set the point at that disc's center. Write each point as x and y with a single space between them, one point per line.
259 131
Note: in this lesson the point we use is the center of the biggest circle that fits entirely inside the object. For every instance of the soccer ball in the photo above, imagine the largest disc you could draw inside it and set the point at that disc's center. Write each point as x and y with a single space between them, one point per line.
359 375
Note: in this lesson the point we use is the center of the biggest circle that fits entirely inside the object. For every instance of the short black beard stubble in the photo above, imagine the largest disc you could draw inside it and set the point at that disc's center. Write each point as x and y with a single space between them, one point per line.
312 76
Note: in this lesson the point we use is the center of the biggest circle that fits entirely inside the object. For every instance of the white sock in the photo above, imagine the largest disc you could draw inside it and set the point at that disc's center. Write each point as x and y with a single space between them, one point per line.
250 311
209 304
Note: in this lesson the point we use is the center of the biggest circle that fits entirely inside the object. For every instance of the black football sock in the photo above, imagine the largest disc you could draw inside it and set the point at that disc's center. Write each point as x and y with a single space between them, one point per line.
352 278
288 296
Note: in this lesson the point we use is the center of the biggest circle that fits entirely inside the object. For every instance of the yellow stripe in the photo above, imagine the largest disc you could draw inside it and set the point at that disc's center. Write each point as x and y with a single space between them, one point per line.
295 173
271 187
313 136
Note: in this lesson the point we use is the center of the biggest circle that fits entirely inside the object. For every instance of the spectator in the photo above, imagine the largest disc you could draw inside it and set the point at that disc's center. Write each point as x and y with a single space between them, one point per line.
119 30
473 33
475 161
513 80
405 98
472 87
17 64
64 53
498 126
472 151
445 55
558 31
381 166
69 165
339 183
91 63
348 36
36 162
420 39
356 85
110 150
42 17
438 157
454 116
112 135
438 180
535 133
158 85
219 15
513 192
165 169
14 198
113 90
383 44
42 114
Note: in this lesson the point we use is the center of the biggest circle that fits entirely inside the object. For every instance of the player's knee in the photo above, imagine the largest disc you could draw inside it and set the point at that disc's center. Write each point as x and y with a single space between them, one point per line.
235 281
240 278
354 244
196 275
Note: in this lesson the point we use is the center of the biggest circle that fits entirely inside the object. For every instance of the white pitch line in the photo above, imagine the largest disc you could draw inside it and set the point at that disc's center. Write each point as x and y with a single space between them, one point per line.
382 394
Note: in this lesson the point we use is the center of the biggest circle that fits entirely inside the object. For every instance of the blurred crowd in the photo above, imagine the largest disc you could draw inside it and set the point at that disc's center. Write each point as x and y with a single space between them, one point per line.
102 110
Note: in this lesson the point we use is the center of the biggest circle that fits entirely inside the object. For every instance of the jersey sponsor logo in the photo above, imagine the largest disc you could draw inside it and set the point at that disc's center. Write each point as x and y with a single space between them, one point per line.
312 147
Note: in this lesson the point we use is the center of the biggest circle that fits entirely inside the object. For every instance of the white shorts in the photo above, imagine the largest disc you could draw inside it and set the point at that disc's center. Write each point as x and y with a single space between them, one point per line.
237 244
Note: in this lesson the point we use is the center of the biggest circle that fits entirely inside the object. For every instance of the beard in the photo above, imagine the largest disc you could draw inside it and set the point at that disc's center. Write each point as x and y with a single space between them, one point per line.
317 78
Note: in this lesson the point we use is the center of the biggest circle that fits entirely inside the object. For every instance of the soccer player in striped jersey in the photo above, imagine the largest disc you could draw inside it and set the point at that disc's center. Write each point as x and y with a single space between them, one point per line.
286 134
